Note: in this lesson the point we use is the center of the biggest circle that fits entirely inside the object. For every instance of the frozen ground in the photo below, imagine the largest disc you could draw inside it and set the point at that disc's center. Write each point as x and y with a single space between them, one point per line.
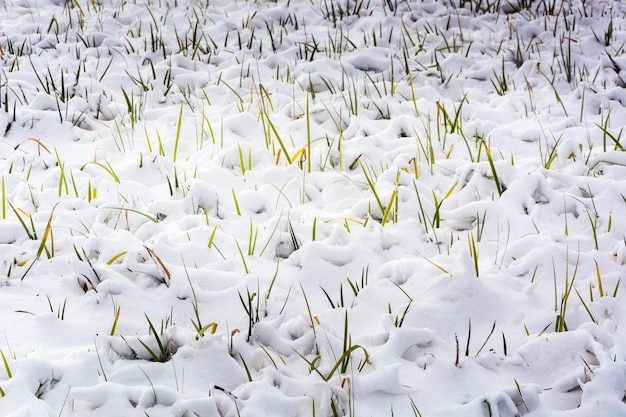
312 208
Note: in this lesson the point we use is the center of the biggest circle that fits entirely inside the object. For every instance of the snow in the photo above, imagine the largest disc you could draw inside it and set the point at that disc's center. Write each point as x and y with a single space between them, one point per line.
312 208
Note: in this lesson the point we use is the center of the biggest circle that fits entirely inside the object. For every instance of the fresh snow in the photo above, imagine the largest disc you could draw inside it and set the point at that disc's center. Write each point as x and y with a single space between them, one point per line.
371 208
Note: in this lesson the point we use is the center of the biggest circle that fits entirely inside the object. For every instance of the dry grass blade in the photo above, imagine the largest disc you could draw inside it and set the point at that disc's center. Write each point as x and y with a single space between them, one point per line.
160 262
486 340
37 141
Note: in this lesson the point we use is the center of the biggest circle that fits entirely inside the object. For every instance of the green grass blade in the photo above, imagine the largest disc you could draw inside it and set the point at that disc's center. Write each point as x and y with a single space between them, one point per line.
7 368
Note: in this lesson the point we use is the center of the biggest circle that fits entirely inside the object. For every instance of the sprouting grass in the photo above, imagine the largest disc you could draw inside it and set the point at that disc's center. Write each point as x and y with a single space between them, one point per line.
116 257
550 154
372 187
242 256
236 202
42 244
452 121
197 323
557 96
3 196
494 172
348 348
604 127
269 239
177 138
295 243
106 167
269 289
414 409
486 340
599 276
243 164
422 47
428 150
252 238
308 135
473 251
500 82
312 319
413 96
129 210
62 177
560 324
342 363
157 260
7 367
30 232
587 309
251 308
390 210
271 130
593 220
85 258
60 312
211 243
398 320
245 366
163 353
565 56
240 102
115 320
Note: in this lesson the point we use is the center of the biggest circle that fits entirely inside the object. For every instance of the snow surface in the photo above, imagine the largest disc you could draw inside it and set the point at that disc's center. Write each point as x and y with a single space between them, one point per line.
270 170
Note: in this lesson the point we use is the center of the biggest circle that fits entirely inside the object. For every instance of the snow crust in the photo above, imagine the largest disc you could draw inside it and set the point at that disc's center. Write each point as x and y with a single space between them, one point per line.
312 208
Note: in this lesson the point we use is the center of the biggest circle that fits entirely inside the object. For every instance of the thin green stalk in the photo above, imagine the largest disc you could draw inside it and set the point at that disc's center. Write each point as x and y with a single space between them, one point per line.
104 375
62 176
277 136
493 168
243 258
473 252
308 136
252 239
176 141
7 368
242 165
308 307
236 202
245 365
593 319
370 183
4 200
163 355
42 245
108 168
115 322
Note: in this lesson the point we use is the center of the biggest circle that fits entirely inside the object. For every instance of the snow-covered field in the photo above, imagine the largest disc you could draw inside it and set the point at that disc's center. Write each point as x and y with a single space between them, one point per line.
312 208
